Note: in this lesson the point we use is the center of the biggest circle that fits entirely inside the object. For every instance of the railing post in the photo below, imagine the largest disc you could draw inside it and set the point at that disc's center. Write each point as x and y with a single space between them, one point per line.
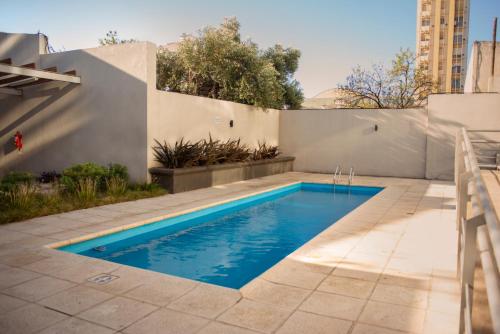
462 200
468 256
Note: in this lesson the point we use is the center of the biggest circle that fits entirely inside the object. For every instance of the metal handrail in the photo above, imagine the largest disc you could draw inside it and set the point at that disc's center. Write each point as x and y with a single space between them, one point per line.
337 170
479 230
351 175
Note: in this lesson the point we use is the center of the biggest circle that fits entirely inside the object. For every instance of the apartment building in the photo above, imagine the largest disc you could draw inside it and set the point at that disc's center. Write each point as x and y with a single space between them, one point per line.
442 37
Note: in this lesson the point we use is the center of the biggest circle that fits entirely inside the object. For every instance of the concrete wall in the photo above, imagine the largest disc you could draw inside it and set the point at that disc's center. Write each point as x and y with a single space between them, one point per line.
101 120
22 48
322 139
478 79
172 116
447 114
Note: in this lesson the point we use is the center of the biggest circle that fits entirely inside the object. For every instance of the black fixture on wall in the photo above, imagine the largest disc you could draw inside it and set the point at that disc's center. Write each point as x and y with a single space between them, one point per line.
231 123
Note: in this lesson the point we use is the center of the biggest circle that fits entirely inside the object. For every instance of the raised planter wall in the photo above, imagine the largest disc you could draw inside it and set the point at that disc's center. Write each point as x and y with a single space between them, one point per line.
184 179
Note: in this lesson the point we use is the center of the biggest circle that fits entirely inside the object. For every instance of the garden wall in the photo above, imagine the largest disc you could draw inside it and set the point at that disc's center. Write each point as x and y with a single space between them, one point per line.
447 114
322 139
172 116
103 119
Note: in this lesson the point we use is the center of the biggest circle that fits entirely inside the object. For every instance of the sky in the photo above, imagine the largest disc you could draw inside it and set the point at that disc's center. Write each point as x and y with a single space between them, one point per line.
333 35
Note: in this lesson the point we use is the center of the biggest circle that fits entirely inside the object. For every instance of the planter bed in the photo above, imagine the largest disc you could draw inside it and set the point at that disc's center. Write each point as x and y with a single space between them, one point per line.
183 179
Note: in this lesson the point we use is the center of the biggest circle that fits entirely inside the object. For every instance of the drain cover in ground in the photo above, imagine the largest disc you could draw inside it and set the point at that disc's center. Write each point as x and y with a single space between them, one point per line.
102 278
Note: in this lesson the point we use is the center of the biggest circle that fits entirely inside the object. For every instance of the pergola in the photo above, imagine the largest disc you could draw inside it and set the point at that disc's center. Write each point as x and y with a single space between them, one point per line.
14 78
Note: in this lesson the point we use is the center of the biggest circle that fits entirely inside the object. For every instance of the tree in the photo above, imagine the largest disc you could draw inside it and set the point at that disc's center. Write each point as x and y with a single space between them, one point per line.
112 38
219 64
405 85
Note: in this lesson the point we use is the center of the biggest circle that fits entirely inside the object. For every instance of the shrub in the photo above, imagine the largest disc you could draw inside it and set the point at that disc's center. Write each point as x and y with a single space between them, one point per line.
49 177
86 189
117 170
116 185
89 170
12 179
22 194
201 153
265 152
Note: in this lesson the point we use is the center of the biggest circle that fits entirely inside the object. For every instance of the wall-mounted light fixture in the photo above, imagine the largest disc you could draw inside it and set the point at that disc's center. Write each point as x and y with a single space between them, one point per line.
231 123
375 127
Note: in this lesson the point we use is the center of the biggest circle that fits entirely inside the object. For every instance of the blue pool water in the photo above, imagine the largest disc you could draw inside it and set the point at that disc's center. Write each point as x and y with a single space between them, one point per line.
232 243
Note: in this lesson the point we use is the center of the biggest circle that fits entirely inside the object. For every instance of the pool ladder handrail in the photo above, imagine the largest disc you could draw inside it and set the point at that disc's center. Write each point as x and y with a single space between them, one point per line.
337 174
351 176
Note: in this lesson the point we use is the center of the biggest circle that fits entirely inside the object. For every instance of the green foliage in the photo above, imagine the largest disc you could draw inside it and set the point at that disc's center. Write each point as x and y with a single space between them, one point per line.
218 64
209 152
265 151
117 170
405 85
116 185
21 194
86 189
12 179
73 175
112 39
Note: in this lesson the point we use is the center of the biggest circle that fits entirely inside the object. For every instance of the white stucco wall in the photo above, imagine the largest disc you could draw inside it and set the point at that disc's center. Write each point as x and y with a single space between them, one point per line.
172 116
479 79
322 139
102 120
447 114
22 48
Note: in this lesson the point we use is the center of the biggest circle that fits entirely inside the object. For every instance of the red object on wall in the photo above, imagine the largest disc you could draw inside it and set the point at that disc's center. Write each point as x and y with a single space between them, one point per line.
18 140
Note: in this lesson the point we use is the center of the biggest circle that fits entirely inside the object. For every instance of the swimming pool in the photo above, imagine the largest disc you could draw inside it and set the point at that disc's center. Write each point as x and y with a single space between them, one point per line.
231 243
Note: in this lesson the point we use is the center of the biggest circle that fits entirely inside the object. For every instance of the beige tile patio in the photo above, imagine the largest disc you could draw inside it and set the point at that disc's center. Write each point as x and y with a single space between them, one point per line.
167 322
302 322
392 316
75 300
333 305
118 312
220 328
254 315
76 326
8 303
400 295
280 295
38 288
206 300
295 274
29 319
440 323
14 276
347 286
369 329
162 291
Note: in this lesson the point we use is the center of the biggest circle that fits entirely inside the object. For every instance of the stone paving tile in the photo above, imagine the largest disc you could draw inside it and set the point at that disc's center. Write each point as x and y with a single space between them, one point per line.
8 303
38 288
76 326
128 279
294 274
167 322
75 300
280 295
206 300
261 317
220 328
14 276
333 305
347 286
400 295
368 329
440 323
162 291
397 317
302 322
117 313
29 319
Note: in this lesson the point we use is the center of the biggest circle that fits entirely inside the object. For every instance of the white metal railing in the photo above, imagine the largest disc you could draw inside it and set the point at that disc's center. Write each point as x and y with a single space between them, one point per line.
351 175
478 234
337 175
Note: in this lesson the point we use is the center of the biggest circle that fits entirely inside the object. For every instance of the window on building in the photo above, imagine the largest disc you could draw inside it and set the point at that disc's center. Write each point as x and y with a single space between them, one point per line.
426 22
457 39
459 21
455 83
457 58
442 20
456 69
